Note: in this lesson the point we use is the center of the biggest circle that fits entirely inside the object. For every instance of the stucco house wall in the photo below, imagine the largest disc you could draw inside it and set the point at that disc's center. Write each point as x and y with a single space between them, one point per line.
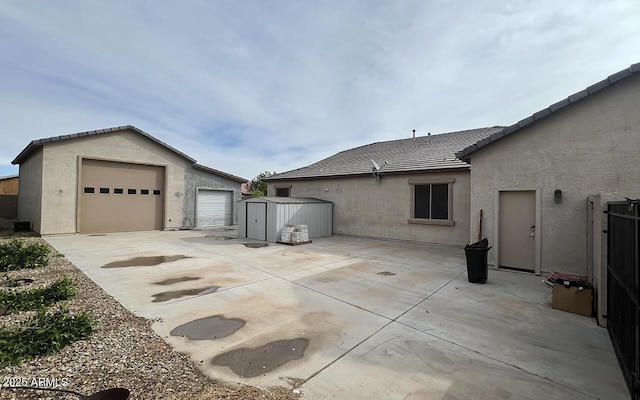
589 148
363 207
30 194
50 168
197 179
60 177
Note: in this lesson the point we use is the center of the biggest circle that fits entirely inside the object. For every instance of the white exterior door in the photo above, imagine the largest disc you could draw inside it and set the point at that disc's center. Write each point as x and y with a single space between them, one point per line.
257 221
214 208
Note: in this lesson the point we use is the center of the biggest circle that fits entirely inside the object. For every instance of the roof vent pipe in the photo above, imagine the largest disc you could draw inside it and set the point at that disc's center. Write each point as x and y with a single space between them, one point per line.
414 134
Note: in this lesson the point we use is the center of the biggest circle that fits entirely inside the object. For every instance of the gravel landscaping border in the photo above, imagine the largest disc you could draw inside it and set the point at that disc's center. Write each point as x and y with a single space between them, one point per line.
123 352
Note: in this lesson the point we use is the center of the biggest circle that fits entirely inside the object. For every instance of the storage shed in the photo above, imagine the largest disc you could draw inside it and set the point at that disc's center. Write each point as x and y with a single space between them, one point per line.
262 218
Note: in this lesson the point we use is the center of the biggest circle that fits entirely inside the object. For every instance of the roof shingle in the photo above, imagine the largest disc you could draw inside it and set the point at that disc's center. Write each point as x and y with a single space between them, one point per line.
424 153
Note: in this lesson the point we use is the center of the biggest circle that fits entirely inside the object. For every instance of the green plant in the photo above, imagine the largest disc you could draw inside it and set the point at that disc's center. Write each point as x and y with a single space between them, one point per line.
258 186
25 300
15 254
43 333
7 281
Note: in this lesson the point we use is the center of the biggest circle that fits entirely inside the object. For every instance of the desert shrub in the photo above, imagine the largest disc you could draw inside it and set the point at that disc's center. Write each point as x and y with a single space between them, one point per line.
43 333
16 254
24 300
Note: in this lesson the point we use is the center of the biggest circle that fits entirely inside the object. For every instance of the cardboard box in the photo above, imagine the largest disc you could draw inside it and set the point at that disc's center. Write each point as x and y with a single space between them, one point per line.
572 299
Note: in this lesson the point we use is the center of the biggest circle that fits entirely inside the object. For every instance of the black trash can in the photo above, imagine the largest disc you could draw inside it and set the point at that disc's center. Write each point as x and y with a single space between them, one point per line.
477 261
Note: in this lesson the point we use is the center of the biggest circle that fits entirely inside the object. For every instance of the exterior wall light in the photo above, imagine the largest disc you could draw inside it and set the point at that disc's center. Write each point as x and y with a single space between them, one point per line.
557 196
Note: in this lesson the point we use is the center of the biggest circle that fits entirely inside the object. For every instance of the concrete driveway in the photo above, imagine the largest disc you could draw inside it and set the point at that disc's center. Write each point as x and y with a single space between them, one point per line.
355 318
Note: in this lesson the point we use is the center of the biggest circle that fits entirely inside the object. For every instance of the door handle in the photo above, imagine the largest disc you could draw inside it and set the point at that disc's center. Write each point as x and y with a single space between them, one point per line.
532 229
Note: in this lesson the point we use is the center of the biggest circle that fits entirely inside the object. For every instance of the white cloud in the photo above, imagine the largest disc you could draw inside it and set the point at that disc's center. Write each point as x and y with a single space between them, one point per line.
246 87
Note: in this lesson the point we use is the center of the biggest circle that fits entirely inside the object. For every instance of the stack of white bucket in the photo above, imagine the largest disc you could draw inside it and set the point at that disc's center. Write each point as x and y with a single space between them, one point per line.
286 233
300 234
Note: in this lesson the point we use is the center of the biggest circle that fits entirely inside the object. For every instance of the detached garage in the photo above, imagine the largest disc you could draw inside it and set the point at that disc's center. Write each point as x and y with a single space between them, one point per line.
262 218
118 180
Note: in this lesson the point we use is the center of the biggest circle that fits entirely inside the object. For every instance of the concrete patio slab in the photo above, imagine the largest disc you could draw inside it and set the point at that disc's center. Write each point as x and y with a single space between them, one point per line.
500 320
357 318
402 363
383 288
273 310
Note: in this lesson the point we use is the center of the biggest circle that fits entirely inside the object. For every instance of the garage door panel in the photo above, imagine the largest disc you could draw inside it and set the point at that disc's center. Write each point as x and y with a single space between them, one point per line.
214 208
121 212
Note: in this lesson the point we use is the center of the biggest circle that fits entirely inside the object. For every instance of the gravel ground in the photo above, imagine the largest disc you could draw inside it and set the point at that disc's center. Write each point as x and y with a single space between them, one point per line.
122 352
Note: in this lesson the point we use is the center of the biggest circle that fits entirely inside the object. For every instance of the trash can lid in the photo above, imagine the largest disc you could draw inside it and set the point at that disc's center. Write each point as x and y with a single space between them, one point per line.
480 244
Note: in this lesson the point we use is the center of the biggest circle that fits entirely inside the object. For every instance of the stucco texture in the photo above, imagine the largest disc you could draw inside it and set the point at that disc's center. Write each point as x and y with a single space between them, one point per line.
590 148
363 207
196 179
30 194
49 178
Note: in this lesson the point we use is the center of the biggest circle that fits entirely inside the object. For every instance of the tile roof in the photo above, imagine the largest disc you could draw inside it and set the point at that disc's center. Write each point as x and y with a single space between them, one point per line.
26 152
424 153
633 70
218 172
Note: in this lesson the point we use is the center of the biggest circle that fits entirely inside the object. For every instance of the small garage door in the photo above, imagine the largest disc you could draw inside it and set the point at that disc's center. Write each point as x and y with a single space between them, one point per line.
120 197
214 208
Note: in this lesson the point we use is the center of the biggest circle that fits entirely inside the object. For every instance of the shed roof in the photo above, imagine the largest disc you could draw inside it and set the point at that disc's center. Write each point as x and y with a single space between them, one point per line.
26 152
424 153
633 70
4 178
285 200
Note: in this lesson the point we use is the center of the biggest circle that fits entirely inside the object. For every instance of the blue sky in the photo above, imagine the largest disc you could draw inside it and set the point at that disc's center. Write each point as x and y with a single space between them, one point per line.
248 86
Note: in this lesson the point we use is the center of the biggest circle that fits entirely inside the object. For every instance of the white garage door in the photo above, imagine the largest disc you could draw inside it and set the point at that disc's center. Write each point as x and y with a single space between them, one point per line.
214 208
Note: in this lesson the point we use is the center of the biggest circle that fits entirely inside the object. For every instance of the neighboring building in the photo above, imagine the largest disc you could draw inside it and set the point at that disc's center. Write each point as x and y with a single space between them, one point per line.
9 185
8 196
246 193
119 179
423 193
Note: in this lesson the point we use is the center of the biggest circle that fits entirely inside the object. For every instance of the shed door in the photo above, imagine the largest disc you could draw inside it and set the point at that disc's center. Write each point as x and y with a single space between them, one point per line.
215 208
517 245
120 197
257 221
